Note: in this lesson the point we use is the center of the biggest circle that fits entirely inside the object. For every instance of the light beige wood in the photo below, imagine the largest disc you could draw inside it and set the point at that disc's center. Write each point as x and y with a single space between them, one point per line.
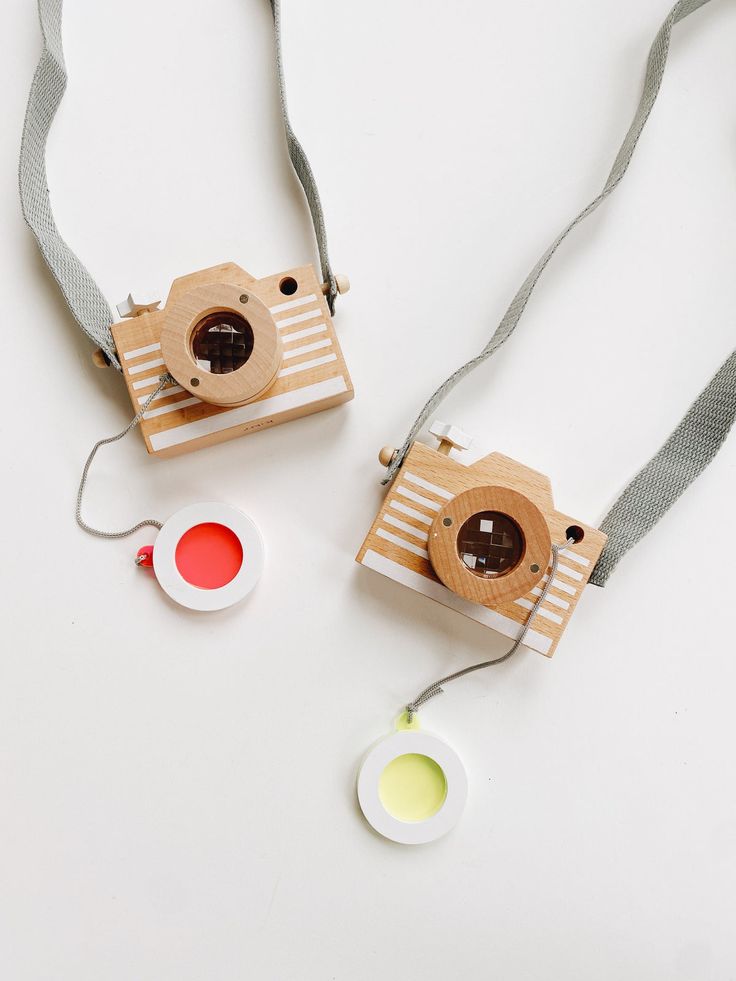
301 369
131 308
386 455
440 476
181 320
449 437
99 358
226 272
452 571
341 282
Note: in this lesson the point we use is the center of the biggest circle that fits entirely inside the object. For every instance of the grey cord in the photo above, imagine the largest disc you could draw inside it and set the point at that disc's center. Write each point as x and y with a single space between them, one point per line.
82 294
436 687
148 522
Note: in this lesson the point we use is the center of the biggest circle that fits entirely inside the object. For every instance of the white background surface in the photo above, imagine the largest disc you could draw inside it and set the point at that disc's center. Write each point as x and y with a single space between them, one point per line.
177 789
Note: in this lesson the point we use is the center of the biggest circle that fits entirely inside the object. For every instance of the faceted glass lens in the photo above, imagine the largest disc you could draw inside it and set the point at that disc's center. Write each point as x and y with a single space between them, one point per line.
490 544
222 342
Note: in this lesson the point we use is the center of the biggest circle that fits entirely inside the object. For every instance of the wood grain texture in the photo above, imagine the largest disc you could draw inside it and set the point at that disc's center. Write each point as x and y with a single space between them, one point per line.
427 482
189 309
312 376
455 574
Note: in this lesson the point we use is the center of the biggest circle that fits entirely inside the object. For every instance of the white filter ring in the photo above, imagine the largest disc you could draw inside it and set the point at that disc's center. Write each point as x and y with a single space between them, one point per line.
196 597
408 741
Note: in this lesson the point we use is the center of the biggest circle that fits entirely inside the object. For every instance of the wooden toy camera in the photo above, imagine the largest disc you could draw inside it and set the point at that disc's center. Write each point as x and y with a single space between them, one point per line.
478 538
245 354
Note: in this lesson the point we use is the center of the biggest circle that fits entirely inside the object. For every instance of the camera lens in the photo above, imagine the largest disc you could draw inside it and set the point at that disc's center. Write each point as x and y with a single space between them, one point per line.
222 342
490 544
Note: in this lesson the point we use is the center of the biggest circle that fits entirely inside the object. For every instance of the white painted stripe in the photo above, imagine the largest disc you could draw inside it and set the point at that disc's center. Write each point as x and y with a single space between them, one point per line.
146 383
293 304
306 365
490 618
152 413
541 612
164 393
409 529
567 571
580 559
249 413
307 332
306 348
402 543
139 351
298 318
417 498
405 509
551 598
562 586
136 369
433 488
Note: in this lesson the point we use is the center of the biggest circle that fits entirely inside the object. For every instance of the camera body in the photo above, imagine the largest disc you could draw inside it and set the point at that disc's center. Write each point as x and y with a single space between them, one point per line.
245 354
478 539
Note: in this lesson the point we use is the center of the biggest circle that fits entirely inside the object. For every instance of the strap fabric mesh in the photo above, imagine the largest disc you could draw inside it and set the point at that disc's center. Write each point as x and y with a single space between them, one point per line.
82 294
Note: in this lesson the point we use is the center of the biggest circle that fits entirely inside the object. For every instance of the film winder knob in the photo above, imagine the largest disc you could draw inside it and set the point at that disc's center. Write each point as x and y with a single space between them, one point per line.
450 437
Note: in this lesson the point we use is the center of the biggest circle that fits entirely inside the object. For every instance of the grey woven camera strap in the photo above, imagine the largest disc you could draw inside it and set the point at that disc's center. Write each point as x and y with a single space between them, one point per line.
303 170
697 439
84 297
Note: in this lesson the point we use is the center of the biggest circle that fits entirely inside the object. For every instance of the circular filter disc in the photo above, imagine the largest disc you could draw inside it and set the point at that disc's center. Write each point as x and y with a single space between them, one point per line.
208 556
412 787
